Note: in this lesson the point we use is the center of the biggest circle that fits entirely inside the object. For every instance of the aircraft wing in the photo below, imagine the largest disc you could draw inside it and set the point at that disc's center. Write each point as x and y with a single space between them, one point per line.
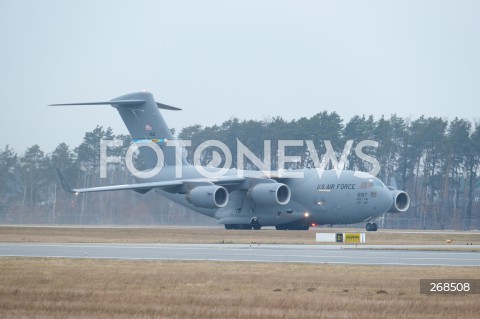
174 186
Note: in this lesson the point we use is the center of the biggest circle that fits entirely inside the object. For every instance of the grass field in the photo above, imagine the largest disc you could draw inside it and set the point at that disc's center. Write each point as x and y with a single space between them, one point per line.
86 288
89 288
216 235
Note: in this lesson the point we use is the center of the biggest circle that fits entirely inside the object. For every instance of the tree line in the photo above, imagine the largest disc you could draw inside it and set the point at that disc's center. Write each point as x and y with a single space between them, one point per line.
435 160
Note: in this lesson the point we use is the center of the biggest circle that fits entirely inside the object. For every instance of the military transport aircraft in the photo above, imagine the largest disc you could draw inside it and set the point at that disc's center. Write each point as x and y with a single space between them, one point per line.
251 199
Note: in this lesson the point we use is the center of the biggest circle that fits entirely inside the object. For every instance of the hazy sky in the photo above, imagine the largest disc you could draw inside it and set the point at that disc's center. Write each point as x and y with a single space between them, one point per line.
218 59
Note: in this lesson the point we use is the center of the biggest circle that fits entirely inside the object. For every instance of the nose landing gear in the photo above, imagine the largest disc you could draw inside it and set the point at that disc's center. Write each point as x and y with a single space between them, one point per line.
371 227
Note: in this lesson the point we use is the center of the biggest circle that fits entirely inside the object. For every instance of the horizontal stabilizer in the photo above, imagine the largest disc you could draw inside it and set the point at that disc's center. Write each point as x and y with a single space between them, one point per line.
168 107
122 103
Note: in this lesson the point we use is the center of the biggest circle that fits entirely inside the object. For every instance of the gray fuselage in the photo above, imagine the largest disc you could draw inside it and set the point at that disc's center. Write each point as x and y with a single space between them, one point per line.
335 197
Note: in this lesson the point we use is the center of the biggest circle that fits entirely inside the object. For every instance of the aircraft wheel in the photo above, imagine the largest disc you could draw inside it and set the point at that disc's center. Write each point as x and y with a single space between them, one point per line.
374 227
369 227
281 227
257 227
305 227
228 226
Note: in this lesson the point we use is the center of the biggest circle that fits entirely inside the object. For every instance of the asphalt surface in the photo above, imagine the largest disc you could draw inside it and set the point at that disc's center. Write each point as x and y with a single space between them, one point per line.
321 254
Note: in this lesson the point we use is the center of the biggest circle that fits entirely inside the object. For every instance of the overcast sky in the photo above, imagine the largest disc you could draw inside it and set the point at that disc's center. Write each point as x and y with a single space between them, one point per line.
218 59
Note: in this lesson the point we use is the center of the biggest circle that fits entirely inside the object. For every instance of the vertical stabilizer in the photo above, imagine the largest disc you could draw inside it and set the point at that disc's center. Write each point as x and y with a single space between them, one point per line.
140 113
145 123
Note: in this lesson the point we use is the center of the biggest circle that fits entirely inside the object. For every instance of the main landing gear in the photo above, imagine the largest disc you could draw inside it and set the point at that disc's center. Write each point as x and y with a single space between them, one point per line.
371 227
257 226
243 226
255 223
292 227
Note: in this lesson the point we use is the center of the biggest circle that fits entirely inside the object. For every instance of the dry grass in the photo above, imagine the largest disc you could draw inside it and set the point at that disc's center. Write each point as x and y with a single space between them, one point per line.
86 288
214 235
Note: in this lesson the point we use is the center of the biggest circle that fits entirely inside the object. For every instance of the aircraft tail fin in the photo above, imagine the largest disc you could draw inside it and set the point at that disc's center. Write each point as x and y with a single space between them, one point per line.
140 113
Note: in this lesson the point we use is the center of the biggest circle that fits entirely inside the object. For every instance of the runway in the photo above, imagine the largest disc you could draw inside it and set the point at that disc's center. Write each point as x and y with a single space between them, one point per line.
319 254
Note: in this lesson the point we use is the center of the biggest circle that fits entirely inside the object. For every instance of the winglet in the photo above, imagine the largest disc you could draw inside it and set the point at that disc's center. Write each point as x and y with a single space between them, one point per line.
392 184
64 182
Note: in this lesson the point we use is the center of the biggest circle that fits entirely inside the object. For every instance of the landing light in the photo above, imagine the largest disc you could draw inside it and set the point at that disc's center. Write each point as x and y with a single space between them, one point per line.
306 214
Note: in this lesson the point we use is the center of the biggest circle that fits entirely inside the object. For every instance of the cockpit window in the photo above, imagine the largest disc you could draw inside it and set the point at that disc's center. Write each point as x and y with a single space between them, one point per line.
378 183
365 185
371 183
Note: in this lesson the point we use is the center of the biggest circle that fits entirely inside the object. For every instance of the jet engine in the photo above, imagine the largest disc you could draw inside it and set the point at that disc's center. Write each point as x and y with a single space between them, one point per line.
270 194
208 196
401 202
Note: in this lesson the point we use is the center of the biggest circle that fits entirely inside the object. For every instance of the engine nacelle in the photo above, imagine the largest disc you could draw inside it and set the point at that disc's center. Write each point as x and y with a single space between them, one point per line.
208 196
269 194
401 202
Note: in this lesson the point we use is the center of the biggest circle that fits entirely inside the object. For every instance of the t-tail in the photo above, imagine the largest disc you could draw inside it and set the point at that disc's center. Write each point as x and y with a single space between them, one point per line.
140 113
